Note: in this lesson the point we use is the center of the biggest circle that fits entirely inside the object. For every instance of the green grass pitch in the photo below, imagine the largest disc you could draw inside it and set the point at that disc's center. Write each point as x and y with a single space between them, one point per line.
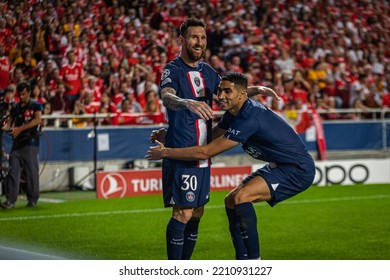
323 223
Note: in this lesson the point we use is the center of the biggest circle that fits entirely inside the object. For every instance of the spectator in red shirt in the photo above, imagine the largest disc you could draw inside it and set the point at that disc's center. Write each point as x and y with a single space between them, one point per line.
5 69
126 111
303 121
72 74
106 107
90 106
300 88
158 66
93 88
107 104
4 30
386 99
59 102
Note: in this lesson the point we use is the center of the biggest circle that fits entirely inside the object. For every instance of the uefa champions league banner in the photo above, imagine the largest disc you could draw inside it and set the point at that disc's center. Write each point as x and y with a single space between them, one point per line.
143 182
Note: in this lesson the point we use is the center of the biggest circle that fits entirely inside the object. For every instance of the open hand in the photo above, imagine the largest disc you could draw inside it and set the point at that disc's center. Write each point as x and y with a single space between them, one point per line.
201 109
155 152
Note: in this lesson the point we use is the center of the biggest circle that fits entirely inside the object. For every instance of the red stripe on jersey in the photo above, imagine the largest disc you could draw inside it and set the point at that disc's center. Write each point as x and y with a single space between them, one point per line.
192 86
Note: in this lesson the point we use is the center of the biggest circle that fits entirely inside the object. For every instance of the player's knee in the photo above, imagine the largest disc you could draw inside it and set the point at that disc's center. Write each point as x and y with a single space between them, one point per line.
198 213
242 196
183 215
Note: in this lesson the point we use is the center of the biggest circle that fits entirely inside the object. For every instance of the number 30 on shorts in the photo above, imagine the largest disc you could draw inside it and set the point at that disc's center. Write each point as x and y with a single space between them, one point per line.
189 182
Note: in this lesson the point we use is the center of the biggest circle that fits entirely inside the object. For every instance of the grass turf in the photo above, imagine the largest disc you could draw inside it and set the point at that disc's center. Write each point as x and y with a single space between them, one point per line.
323 223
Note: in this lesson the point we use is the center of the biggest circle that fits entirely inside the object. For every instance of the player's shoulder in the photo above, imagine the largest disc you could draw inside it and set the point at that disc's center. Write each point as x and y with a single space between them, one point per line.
253 108
174 64
205 64
171 68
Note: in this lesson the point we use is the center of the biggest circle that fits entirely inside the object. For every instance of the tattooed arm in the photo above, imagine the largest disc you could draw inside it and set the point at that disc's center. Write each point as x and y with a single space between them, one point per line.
175 103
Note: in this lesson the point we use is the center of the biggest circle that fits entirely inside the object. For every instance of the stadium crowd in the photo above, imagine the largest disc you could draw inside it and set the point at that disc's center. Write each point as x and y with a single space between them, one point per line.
107 56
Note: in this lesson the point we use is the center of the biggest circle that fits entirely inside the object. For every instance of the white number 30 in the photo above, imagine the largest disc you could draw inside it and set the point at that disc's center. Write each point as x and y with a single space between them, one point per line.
189 182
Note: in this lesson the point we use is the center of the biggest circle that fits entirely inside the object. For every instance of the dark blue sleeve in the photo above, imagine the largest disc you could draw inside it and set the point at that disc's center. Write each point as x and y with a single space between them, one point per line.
37 107
169 77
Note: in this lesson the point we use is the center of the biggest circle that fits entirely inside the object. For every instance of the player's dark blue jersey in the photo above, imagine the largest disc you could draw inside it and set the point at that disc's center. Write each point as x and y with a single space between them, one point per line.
264 135
186 129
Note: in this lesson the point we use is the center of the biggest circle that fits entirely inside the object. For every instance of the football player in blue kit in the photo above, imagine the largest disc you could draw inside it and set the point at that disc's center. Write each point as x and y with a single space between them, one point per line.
188 86
264 136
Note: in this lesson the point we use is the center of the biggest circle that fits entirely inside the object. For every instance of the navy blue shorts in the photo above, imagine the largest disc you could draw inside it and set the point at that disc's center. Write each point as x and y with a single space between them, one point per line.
186 187
284 181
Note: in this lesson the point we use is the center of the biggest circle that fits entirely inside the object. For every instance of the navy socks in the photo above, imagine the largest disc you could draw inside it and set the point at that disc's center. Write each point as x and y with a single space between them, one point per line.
235 232
175 239
248 225
181 238
190 238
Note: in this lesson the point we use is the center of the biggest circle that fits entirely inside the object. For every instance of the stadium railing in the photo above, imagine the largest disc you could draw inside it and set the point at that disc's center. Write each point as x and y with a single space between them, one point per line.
147 118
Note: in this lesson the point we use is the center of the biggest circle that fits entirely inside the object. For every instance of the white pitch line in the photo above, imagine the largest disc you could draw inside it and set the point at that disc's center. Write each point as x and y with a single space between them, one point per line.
154 210
51 200
8 253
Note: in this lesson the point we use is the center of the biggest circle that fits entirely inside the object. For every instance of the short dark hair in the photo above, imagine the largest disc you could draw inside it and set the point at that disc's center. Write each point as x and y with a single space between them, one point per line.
239 79
191 22
22 86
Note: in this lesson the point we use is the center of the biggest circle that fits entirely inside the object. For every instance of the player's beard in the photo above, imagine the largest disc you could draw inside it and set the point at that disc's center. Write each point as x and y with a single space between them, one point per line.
193 56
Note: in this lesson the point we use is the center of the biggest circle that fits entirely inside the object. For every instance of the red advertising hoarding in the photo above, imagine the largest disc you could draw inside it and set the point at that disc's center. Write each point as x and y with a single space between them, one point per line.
142 182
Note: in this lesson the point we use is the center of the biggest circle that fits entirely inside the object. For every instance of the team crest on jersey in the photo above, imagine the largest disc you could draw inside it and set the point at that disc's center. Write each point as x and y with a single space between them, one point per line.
197 81
165 74
190 196
164 77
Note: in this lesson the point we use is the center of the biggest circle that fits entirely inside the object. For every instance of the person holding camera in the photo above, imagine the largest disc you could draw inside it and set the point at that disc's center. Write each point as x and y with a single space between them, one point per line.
24 125
6 105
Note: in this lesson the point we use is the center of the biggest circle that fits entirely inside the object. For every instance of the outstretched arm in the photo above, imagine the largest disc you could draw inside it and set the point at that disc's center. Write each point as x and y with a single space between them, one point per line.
173 102
216 147
266 91
217 131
